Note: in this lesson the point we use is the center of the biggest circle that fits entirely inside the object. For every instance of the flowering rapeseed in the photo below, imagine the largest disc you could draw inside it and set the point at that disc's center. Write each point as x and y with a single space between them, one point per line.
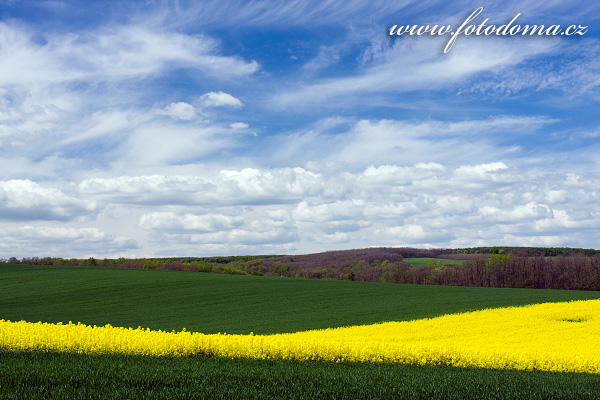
551 336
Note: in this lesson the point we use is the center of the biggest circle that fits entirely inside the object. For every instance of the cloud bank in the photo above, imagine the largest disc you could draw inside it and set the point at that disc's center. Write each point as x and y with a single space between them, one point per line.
251 127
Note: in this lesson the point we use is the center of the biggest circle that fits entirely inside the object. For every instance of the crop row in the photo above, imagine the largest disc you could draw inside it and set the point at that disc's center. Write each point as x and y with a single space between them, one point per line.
552 337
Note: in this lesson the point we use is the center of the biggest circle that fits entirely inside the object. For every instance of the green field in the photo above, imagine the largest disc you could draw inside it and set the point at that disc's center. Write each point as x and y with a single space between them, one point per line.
211 303
421 261
72 376
240 304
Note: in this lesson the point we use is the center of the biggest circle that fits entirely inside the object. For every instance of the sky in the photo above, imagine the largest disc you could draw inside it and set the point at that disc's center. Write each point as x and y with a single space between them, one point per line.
201 128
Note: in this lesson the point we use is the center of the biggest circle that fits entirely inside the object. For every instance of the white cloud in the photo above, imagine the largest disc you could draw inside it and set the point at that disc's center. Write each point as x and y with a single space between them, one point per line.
411 64
578 77
153 184
107 54
42 241
520 213
238 125
25 200
558 221
159 144
30 117
273 236
411 233
277 185
335 238
246 186
179 110
553 196
299 210
426 145
212 99
481 169
336 211
171 222
287 14
75 98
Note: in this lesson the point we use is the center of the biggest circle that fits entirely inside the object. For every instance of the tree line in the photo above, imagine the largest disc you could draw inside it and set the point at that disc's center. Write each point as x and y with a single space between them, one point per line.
506 267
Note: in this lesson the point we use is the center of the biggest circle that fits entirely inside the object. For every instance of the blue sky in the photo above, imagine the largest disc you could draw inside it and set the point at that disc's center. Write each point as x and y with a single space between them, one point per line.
255 127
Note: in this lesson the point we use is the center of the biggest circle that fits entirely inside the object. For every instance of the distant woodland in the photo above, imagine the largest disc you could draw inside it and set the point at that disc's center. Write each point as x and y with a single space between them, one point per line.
508 267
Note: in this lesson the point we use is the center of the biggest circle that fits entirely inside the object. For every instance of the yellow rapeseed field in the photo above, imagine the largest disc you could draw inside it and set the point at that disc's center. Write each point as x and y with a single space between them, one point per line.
551 336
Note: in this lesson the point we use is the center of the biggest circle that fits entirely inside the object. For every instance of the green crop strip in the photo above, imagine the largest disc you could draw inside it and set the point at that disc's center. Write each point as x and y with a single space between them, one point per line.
33 375
212 303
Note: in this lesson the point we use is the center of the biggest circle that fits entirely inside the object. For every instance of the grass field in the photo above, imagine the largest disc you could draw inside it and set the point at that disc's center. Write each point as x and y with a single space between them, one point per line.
71 376
212 303
420 261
